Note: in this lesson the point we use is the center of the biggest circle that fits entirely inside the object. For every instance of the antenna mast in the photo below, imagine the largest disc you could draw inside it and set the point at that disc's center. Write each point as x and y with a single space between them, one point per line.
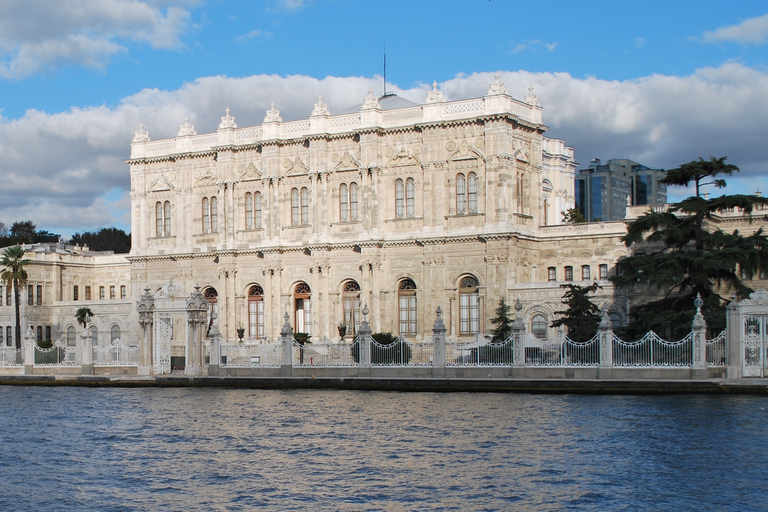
385 68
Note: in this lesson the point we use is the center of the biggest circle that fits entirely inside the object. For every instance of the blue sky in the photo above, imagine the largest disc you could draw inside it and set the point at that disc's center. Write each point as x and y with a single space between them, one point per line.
659 82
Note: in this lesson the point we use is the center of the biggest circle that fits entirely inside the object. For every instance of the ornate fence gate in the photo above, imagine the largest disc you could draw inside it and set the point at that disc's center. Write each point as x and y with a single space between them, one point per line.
752 324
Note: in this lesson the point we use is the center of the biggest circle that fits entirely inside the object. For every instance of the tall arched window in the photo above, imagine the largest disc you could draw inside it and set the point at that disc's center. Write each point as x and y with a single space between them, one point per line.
350 301
305 205
71 336
212 296
206 215
410 197
94 335
539 326
472 192
87 293
406 305
399 199
256 311
469 306
248 211
214 215
302 312
114 333
163 219
39 333
167 217
353 209
9 336
344 202
257 208
295 207
461 194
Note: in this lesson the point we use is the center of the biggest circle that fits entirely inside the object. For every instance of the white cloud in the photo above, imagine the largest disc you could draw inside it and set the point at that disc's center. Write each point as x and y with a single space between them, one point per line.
751 31
533 45
63 170
43 34
253 34
291 5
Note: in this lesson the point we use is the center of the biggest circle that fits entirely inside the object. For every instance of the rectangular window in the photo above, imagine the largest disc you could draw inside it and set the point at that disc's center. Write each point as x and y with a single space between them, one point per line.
39 295
167 218
1 295
248 211
399 199
344 202
75 294
353 201
461 194
469 313
102 294
1 335
551 274
39 331
48 332
586 273
122 292
603 271
304 206
9 336
408 315
112 292
8 300
295 207
214 215
257 206
256 318
472 192
30 295
87 293
410 198
569 273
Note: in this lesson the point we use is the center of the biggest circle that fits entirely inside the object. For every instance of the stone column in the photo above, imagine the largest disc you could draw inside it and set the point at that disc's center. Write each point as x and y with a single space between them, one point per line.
699 341
605 330
215 348
197 309
364 340
438 341
29 352
518 335
286 337
146 308
734 349
87 346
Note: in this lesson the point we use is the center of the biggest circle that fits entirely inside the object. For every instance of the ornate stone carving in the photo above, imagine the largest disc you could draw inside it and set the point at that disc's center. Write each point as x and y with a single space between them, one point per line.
186 129
497 87
320 109
435 95
531 97
227 121
273 115
141 135
371 101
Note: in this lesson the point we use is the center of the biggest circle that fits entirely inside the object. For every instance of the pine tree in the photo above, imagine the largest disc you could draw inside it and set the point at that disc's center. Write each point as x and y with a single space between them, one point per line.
502 323
582 316
685 256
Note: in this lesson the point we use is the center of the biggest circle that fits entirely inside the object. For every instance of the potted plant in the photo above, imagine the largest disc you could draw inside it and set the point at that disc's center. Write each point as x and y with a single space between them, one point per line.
342 330
240 331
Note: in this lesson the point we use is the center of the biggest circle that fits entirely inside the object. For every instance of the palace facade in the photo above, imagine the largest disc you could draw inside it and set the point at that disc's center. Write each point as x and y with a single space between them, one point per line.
398 206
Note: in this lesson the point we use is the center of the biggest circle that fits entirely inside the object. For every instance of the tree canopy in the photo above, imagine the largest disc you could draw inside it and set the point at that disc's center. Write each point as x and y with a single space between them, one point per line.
582 317
573 216
105 239
14 274
681 255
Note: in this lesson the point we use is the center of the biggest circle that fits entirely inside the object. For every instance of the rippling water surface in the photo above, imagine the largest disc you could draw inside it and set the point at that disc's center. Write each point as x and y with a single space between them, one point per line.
223 449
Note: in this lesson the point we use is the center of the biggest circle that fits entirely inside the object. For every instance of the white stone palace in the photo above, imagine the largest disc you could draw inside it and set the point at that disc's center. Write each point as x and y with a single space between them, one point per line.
398 206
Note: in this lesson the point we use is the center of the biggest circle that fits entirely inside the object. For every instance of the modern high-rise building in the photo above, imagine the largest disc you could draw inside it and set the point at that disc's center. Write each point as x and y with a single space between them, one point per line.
603 191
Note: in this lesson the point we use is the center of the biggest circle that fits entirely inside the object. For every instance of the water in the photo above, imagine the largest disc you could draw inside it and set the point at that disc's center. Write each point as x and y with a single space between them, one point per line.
219 449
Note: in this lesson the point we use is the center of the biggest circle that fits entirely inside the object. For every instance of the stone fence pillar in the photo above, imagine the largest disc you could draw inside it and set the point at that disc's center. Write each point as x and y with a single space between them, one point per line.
438 344
286 338
734 355
518 335
146 309
29 352
605 332
364 341
86 344
699 341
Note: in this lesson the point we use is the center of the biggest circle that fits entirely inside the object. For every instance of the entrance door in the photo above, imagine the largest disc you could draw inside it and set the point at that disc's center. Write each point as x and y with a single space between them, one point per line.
754 345
162 337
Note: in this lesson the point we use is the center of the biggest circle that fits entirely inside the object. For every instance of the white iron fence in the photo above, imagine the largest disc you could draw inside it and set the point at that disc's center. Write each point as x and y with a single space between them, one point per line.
246 355
116 354
59 354
652 351
325 353
9 356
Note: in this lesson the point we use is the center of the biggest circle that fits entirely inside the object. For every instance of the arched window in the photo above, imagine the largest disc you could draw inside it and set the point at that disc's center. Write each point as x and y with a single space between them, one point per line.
461 194
399 199
551 274
569 273
212 296
520 187
344 202
304 205
350 300
257 208
87 293
406 305
214 215
75 293
70 336
472 192
469 306
39 333
94 334
295 207
353 210
163 219
545 213
302 312
615 319
539 326
9 336
248 211
256 311
122 291
114 333
206 215
410 197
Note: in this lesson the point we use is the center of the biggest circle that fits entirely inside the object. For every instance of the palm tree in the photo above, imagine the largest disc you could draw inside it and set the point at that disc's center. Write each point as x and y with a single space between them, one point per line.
83 316
15 275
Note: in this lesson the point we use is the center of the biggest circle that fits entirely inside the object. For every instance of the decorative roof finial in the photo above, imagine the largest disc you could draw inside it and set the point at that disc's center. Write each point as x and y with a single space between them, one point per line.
531 97
227 121
186 129
497 87
435 95
273 115
141 135
371 101
321 109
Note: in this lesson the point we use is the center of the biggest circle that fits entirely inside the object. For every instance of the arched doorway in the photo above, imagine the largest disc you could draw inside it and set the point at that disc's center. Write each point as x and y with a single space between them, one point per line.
406 307
350 302
256 311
